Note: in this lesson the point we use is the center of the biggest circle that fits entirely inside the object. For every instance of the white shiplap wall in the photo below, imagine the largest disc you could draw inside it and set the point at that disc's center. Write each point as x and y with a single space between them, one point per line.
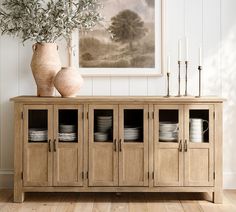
210 23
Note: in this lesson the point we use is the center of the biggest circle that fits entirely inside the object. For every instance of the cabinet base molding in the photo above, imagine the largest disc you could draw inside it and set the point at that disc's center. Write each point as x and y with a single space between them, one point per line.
118 189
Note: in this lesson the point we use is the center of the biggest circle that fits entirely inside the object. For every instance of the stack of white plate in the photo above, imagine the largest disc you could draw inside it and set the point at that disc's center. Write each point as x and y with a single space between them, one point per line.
104 123
67 132
168 131
67 128
67 137
100 136
131 133
38 134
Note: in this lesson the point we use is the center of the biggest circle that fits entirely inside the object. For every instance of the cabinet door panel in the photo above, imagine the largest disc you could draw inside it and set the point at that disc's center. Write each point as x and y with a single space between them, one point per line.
68 152
102 167
133 145
103 155
168 167
37 171
198 156
132 162
168 149
199 165
68 168
37 145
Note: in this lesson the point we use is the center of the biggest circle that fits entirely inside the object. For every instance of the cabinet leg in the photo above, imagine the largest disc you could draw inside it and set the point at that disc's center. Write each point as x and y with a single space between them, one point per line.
218 197
19 196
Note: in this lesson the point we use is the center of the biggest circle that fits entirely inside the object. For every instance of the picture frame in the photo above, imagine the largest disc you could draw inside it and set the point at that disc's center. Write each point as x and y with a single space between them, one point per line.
155 68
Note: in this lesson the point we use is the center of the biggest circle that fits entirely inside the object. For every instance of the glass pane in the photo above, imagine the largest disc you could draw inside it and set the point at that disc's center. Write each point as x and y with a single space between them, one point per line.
38 125
133 125
68 125
199 126
168 125
103 125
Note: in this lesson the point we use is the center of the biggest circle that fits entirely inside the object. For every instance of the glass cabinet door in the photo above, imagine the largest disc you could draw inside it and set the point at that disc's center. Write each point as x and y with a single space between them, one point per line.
38 135
168 145
103 125
198 145
68 145
103 148
133 145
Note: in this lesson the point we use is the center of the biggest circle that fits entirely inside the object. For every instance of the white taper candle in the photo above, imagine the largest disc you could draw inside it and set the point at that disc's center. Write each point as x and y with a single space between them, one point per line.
179 51
186 46
200 56
168 64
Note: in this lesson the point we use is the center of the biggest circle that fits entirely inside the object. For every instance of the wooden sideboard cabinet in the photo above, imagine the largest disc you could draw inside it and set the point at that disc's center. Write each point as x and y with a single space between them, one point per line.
135 154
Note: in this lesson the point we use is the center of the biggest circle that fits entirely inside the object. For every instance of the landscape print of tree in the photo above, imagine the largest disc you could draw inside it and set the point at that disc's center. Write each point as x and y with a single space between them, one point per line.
126 39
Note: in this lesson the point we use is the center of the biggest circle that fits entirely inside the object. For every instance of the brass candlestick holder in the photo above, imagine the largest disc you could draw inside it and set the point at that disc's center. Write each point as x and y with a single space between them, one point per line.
186 78
200 82
168 84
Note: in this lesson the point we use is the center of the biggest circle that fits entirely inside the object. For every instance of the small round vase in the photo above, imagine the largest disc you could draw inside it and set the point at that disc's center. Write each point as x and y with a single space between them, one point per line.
68 82
45 65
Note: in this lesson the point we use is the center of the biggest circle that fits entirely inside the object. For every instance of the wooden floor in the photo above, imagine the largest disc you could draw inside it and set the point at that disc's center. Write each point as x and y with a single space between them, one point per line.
126 202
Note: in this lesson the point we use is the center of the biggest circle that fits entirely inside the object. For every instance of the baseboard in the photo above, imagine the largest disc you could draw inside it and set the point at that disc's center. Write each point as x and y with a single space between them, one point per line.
229 180
6 179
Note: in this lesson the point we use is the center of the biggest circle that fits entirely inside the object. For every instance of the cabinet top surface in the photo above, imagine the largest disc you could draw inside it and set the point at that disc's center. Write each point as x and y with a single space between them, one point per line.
118 99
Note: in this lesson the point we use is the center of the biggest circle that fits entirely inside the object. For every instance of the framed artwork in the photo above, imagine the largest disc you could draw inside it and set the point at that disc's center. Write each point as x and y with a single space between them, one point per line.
129 42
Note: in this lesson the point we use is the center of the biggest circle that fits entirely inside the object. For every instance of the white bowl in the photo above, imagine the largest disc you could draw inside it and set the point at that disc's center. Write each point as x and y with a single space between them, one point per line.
67 128
100 136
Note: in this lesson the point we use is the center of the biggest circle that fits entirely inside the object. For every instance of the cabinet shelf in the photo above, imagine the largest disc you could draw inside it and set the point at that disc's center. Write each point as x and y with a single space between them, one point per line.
108 141
44 141
71 141
168 141
133 141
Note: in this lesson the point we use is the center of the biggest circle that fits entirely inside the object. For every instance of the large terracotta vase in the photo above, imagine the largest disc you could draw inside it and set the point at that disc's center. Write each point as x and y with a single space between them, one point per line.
68 82
45 65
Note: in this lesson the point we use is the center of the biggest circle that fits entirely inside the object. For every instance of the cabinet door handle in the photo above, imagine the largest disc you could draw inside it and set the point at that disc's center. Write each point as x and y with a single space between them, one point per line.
49 145
185 146
120 148
180 146
115 145
54 145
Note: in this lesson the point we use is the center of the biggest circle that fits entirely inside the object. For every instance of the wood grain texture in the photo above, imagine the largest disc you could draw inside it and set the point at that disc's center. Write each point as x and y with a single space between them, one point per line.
133 156
18 154
218 154
111 202
168 162
103 160
68 157
118 189
125 167
38 160
198 160
120 99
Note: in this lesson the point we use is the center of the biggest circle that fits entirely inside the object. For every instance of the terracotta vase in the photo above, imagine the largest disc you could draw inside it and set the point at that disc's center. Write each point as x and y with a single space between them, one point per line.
45 65
68 82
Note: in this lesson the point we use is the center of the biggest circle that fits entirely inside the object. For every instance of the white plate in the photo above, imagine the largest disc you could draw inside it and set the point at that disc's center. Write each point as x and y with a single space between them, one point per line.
166 123
100 136
130 139
131 134
104 125
167 139
104 121
38 139
104 117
